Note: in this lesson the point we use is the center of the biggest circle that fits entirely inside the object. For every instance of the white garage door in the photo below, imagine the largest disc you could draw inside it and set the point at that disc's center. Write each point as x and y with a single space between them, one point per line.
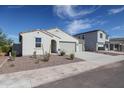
68 47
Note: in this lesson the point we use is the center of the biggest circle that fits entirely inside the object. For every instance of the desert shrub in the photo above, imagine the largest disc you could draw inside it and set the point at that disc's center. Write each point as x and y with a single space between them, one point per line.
46 57
13 53
35 54
37 61
72 56
49 54
62 53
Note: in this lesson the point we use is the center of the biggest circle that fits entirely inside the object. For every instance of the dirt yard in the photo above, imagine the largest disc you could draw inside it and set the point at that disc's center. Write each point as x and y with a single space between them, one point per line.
2 58
28 63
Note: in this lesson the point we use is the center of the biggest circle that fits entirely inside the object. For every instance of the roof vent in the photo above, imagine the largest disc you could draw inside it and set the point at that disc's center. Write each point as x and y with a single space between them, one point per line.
57 30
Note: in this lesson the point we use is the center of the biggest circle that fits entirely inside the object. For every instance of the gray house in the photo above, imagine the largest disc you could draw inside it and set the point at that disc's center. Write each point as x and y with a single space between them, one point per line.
94 40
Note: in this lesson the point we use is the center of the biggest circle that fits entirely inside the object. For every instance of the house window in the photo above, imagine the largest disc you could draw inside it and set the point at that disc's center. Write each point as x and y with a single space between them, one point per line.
106 36
101 35
79 37
83 37
37 42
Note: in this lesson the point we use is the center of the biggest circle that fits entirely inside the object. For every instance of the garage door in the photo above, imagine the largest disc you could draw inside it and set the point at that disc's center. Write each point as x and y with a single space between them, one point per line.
68 47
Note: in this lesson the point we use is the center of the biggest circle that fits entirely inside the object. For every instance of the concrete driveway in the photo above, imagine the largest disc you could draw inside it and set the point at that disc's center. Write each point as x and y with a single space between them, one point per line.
98 58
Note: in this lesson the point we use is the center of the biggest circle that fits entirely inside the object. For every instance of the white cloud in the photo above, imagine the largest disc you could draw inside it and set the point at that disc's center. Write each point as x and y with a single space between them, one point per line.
115 11
15 6
118 28
71 11
77 12
77 25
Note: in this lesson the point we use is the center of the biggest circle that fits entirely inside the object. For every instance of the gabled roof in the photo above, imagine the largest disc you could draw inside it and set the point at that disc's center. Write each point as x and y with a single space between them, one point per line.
43 31
62 32
91 32
48 32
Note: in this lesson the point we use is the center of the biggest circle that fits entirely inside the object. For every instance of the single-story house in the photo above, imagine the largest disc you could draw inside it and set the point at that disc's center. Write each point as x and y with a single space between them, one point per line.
50 41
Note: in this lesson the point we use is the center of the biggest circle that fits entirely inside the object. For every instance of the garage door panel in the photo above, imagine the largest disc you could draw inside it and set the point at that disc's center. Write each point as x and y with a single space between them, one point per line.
68 47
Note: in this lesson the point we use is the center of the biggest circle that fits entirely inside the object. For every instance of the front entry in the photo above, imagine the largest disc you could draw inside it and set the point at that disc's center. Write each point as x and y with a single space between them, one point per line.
53 46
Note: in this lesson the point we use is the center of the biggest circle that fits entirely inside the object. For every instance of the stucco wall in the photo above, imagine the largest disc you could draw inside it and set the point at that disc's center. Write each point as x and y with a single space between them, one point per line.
93 40
64 37
101 39
28 41
28 45
90 41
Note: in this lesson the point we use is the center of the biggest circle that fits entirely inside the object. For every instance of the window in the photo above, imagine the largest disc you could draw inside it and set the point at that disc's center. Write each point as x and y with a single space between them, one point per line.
106 45
79 37
106 36
101 35
37 42
83 37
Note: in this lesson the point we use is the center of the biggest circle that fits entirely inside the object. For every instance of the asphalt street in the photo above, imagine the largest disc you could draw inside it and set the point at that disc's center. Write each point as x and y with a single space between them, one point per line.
109 76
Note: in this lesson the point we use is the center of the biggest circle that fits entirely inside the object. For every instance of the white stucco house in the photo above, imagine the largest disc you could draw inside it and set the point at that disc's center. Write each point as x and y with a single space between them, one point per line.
50 41
94 40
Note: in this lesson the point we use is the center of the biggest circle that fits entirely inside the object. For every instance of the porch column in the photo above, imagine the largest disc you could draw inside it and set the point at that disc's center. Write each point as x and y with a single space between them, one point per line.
108 46
114 47
119 49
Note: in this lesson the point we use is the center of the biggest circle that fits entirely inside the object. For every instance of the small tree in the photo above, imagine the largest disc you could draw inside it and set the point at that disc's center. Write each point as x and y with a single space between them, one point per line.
5 43
5 48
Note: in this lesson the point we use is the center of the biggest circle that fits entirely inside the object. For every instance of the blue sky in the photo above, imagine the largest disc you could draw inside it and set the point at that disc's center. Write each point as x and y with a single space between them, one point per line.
71 19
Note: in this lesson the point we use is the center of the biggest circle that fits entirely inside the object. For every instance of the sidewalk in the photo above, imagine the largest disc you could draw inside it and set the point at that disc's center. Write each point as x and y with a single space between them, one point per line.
33 78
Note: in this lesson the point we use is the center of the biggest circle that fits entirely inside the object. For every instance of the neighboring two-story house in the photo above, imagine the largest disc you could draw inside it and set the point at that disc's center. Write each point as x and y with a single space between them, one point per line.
94 40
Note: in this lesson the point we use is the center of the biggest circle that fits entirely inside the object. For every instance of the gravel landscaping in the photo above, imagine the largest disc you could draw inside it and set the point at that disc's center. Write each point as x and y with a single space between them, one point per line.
29 63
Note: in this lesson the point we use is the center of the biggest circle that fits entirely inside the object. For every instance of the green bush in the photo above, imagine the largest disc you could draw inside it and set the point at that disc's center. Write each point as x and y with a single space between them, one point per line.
62 53
5 48
72 56
0 50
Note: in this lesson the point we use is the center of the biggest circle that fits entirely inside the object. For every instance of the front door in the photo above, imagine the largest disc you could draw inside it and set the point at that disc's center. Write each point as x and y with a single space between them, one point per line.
53 46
